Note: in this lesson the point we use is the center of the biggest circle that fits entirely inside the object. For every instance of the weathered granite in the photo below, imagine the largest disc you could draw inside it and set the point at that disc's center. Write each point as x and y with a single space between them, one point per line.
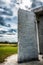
27 38
40 30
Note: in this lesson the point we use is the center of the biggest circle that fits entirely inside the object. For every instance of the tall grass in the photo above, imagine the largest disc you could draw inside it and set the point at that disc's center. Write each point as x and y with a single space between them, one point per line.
7 50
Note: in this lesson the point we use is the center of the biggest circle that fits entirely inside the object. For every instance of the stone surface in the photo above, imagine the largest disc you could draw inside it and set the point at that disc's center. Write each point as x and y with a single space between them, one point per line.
27 38
40 29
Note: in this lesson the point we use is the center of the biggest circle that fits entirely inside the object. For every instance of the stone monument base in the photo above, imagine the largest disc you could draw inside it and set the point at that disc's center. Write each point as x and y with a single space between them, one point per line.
28 60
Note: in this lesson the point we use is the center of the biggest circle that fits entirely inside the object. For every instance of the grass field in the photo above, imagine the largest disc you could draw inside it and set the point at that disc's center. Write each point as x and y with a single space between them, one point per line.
7 50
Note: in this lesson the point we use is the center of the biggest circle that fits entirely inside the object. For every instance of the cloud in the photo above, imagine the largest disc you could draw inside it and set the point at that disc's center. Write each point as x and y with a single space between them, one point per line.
14 26
15 20
36 3
12 30
1 36
8 25
3 32
9 13
9 38
9 32
41 0
8 21
2 21
4 28
5 9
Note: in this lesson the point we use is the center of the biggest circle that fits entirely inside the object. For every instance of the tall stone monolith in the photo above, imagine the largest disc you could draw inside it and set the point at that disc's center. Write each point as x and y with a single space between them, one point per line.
27 37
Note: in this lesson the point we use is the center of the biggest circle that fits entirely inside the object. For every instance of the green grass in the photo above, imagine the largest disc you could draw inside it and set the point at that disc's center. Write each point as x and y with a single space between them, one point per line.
7 50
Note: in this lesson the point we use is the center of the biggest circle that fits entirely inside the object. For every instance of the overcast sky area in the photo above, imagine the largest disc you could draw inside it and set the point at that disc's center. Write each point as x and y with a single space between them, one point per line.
9 18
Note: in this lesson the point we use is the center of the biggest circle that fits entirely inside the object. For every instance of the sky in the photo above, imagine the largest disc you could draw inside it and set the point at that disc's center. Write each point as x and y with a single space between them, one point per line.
9 18
8 21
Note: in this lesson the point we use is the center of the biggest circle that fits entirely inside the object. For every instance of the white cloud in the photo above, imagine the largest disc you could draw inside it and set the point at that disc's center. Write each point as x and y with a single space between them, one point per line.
10 38
7 1
14 11
25 3
14 26
4 28
41 0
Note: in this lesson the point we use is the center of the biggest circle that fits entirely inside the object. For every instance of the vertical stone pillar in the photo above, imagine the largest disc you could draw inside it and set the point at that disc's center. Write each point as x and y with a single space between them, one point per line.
27 38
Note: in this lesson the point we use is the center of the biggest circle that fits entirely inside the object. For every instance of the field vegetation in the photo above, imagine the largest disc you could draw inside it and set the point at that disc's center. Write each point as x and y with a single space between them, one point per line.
7 49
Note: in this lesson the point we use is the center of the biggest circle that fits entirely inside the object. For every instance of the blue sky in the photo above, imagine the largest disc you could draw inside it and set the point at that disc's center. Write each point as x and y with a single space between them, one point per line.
9 18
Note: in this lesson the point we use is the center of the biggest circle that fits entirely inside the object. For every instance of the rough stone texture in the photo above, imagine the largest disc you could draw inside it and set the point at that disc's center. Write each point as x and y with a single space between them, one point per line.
27 38
40 27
